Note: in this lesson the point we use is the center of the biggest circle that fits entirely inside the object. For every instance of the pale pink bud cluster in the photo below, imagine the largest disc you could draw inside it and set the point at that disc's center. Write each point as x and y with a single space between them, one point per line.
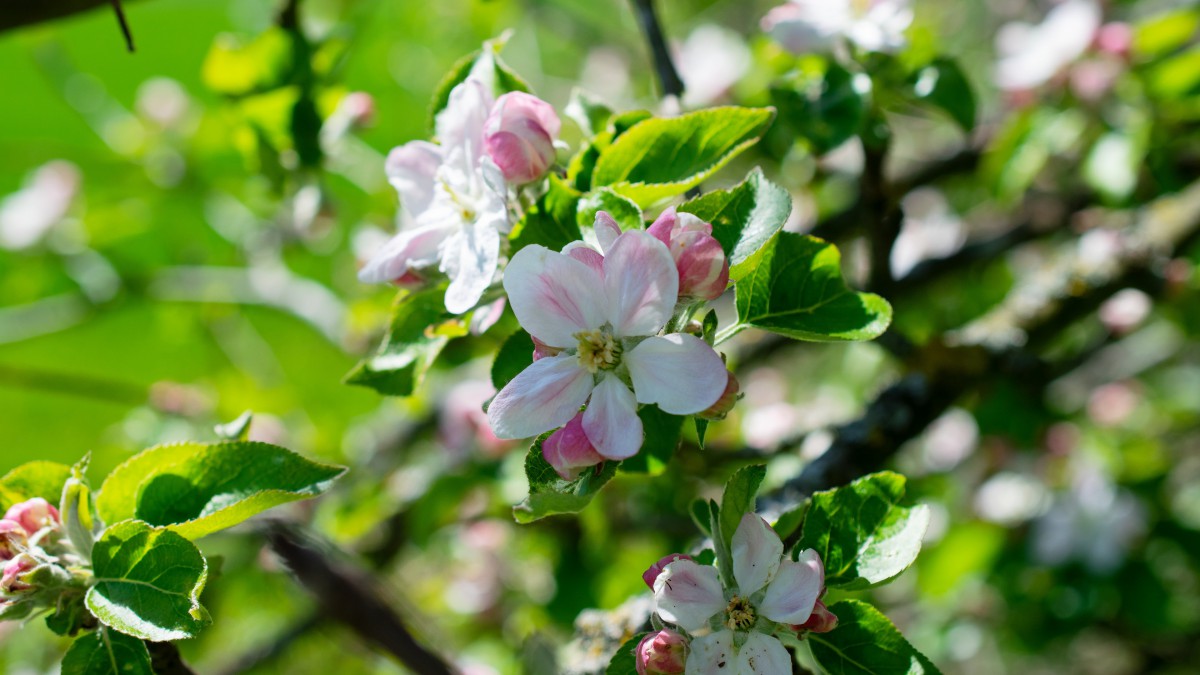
703 268
15 572
33 515
652 572
661 653
569 451
519 136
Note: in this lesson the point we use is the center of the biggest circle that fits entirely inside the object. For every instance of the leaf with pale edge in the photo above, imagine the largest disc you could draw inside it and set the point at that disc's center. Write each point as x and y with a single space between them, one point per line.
662 157
420 329
661 431
107 652
623 210
738 499
864 535
33 479
624 661
796 289
866 642
744 218
549 494
196 489
148 582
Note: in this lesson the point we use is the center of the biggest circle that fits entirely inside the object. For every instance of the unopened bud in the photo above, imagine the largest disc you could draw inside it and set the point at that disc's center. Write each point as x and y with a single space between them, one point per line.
33 515
1115 38
569 451
661 653
12 539
651 574
360 107
821 621
16 573
729 398
703 268
519 136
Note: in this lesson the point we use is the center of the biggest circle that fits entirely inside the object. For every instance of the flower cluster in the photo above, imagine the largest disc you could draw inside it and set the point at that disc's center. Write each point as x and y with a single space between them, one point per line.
456 195
804 26
35 554
731 629
599 321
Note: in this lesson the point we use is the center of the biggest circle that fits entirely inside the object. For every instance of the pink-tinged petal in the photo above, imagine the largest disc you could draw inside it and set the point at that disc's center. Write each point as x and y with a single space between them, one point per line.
679 372
607 230
519 136
542 350
33 515
471 267
611 420
656 569
663 225
810 558
412 170
688 595
661 653
544 396
703 268
486 316
13 539
554 296
642 284
821 621
712 654
763 655
586 255
569 451
757 552
792 594
416 247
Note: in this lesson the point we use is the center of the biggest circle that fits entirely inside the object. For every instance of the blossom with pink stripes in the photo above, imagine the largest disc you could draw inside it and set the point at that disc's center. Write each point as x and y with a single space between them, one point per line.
519 136
603 313
703 268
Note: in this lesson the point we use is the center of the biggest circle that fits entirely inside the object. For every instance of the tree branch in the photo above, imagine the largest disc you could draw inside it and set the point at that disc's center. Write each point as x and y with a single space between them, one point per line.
668 77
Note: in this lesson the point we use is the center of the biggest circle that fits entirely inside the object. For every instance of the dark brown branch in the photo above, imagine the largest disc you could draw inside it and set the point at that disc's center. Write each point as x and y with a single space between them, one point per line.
668 77
18 14
120 12
165 659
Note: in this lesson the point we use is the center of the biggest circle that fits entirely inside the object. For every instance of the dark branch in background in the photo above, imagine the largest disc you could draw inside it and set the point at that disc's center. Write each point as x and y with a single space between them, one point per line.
165 659
351 596
111 391
668 77
18 14
120 12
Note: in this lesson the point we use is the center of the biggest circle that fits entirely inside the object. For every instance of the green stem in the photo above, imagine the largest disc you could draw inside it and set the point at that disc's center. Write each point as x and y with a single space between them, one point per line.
729 331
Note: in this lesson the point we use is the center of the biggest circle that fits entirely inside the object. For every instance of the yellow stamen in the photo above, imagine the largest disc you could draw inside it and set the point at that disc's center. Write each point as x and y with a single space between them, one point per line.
598 350
740 614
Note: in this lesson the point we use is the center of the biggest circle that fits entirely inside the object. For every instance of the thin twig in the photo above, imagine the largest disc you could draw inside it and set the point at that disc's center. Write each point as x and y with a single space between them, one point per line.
668 76
116 5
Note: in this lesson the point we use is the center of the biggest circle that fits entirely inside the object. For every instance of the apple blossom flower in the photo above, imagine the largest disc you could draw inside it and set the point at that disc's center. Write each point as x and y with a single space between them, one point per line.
661 653
651 573
710 62
605 318
28 215
13 539
519 136
1031 55
769 589
34 515
703 268
569 451
804 26
462 424
453 200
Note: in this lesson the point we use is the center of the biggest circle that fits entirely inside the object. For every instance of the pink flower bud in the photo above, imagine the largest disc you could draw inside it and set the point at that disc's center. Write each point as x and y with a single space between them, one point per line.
729 398
821 621
15 570
33 515
569 451
1115 38
541 350
651 574
360 106
703 268
12 539
519 136
661 653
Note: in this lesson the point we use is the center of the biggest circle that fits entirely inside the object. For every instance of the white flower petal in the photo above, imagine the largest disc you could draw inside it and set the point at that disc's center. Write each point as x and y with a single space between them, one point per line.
611 422
554 296
544 396
415 247
642 284
412 170
679 372
474 267
688 595
763 655
757 551
792 594
712 654
459 125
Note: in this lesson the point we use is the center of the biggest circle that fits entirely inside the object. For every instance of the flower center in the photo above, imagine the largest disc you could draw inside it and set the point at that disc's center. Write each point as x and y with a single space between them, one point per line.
598 350
739 614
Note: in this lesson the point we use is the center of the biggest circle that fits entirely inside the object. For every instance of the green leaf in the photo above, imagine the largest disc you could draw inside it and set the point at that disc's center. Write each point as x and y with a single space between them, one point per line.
1165 31
866 642
549 494
662 432
33 479
589 112
720 545
420 329
701 430
237 430
107 652
864 535
551 222
197 489
789 521
663 157
825 107
148 582
701 516
583 164
738 498
1024 144
506 79
627 214
943 85
75 508
624 661
744 218
235 67
515 355
797 290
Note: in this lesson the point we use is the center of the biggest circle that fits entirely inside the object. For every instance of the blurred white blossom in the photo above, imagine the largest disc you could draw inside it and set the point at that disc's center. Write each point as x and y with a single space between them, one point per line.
27 215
